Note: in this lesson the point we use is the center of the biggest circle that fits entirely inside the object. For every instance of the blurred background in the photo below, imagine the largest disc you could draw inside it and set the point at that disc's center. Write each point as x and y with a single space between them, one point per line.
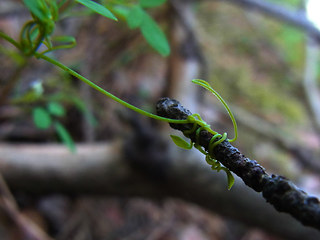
81 166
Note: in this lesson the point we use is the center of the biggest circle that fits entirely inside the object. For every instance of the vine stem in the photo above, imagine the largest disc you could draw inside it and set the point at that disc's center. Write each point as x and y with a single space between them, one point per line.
10 40
104 92
125 104
206 85
94 86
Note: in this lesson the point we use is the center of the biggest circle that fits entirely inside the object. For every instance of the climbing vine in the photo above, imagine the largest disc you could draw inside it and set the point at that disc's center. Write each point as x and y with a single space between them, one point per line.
200 125
38 31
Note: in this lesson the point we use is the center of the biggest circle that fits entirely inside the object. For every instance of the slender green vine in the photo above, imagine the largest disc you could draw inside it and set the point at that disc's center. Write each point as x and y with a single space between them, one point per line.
200 125
38 31
195 119
108 94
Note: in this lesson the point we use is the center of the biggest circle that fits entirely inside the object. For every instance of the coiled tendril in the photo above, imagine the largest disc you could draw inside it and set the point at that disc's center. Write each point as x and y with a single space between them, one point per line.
38 31
200 125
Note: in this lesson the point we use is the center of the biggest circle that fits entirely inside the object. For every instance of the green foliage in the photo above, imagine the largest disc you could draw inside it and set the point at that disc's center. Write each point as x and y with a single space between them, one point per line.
65 136
40 9
230 177
137 17
207 86
45 13
154 36
39 30
98 8
59 42
199 125
41 118
151 3
215 165
44 118
180 142
56 109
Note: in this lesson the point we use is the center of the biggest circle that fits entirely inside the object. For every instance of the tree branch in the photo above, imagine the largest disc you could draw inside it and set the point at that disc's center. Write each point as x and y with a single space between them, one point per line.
277 190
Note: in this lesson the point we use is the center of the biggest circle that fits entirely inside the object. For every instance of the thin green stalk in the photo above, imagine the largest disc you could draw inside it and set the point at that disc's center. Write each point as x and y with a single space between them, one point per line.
104 92
9 39
206 85
96 87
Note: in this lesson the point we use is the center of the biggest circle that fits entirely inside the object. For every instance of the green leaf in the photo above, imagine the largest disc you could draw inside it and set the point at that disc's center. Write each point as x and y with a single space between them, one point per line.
41 118
56 109
135 17
54 9
210 160
98 8
180 142
121 11
64 42
229 176
154 35
39 8
151 3
65 136
70 40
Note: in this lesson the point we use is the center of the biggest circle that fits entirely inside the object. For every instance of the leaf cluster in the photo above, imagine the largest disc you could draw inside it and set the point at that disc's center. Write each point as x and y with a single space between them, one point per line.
48 116
37 34
137 17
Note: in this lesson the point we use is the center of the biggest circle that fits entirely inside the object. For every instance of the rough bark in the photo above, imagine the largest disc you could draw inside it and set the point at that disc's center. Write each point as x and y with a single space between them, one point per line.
277 190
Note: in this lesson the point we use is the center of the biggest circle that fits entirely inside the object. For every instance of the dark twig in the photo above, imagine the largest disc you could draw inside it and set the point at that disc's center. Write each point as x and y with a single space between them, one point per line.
277 190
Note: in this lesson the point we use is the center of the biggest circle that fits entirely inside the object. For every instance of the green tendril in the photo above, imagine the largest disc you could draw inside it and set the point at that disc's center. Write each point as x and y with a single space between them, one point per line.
195 119
37 31
106 93
199 125
207 86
